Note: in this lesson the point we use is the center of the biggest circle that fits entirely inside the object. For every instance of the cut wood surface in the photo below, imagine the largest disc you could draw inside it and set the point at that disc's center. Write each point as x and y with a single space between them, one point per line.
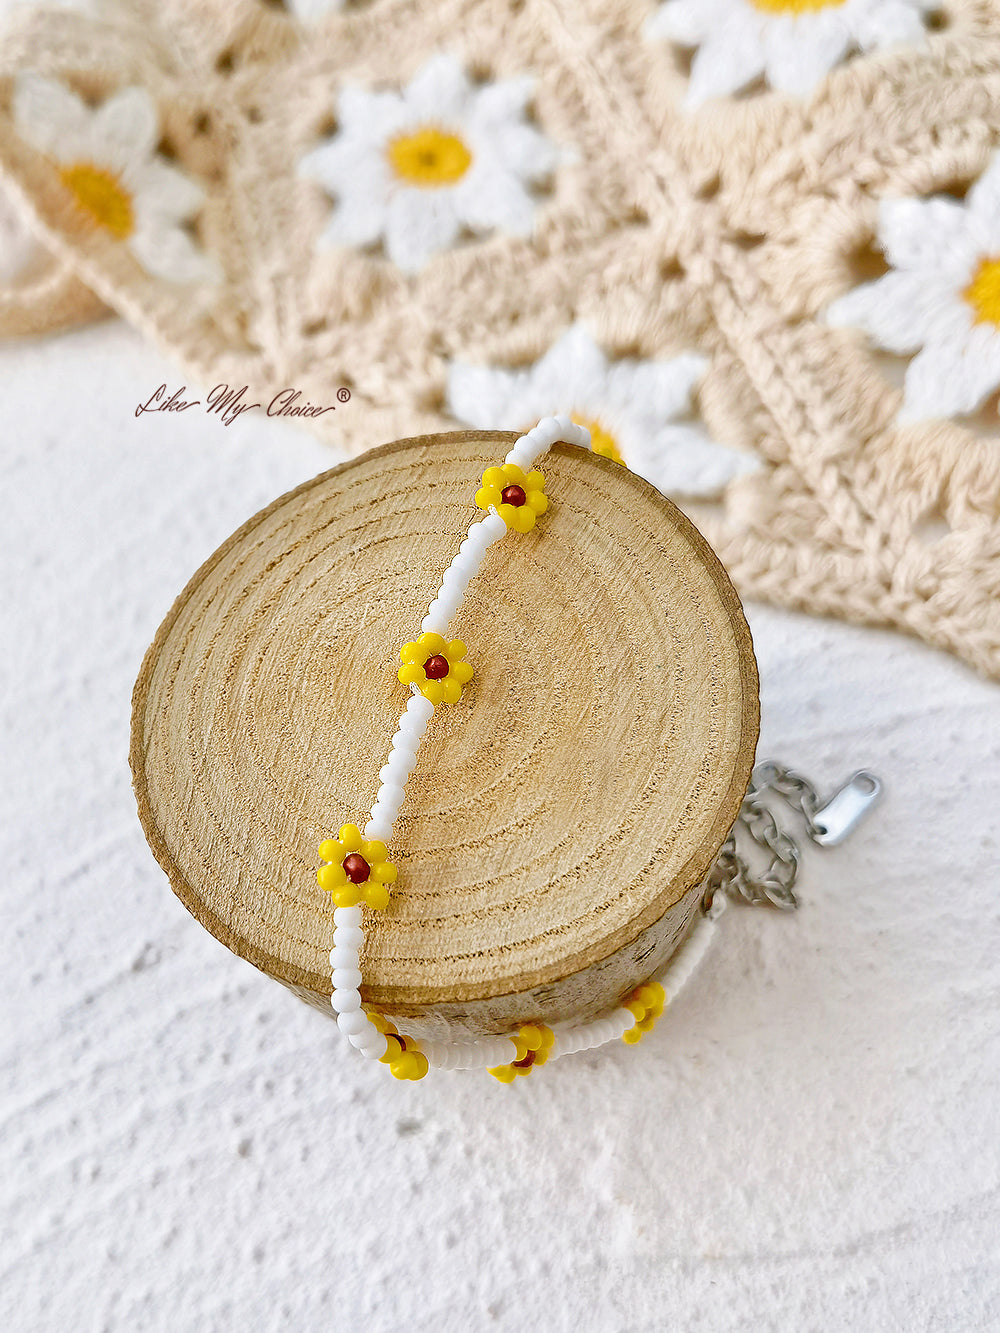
560 817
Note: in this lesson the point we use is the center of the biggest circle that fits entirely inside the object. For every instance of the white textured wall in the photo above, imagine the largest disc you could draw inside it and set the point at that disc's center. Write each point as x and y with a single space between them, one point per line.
810 1140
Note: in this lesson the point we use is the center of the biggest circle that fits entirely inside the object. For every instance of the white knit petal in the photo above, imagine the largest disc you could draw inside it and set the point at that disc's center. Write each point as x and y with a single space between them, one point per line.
686 22
419 224
489 198
932 234
729 59
371 118
502 103
127 127
800 51
161 191
50 117
336 162
515 146
902 310
313 11
438 93
168 252
656 389
887 23
683 461
574 363
953 376
356 221
484 397
360 181
982 207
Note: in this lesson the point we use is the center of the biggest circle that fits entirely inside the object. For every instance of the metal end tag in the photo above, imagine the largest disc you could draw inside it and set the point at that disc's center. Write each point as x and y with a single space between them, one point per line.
833 821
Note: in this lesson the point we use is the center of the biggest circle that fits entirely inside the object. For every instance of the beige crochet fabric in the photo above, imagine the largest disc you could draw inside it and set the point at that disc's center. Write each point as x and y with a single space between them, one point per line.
725 230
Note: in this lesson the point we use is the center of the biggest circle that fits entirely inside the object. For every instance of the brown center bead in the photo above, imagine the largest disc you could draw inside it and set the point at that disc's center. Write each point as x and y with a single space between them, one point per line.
526 1063
356 868
513 495
436 667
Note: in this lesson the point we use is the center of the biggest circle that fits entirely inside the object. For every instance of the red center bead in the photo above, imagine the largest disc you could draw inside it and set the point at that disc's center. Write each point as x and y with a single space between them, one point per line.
526 1063
513 495
356 868
436 667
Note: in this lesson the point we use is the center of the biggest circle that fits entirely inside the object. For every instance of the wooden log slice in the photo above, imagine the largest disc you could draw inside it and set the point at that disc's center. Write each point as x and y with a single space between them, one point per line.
560 817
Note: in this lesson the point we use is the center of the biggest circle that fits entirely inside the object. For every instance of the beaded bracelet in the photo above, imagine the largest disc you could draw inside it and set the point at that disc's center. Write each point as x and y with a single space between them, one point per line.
358 872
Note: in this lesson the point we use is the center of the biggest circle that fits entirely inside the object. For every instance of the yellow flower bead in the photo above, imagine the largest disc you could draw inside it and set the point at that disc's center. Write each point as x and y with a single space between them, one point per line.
335 879
402 1054
438 688
394 1047
521 516
376 896
350 837
349 896
645 1004
533 1040
331 877
412 1064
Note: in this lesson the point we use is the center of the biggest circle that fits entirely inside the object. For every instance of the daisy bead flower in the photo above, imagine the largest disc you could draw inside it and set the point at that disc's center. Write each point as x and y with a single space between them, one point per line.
437 667
646 1005
359 869
630 407
793 43
532 1045
517 496
941 297
416 167
107 162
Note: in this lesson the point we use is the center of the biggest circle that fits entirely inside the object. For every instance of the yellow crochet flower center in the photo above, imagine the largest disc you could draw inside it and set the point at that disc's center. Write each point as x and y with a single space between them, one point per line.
601 441
795 6
983 292
430 157
100 194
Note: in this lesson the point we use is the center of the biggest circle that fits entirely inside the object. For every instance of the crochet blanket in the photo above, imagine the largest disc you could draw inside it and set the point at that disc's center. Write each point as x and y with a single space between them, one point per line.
753 244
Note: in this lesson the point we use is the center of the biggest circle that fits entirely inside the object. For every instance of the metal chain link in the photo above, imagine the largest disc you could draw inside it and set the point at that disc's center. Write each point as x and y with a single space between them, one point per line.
774 886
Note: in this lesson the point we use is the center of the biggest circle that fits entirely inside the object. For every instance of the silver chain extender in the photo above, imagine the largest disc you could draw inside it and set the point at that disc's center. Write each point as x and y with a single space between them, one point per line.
826 824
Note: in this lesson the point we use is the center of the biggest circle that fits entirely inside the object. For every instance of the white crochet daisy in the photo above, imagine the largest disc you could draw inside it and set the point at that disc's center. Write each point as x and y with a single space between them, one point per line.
108 163
943 296
792 43
629 406
416 167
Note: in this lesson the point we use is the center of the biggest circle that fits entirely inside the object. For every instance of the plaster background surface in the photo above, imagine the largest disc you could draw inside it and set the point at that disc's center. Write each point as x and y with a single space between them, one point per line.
809 1141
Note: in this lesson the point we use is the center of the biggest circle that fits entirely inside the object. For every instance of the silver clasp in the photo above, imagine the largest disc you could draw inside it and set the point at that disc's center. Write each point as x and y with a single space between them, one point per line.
834 820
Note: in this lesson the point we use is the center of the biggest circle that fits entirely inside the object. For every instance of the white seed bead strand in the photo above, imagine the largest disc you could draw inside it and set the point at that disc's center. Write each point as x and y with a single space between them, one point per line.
349 934
462 570
679 969
486 1054
531 446
393 774
572 1038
